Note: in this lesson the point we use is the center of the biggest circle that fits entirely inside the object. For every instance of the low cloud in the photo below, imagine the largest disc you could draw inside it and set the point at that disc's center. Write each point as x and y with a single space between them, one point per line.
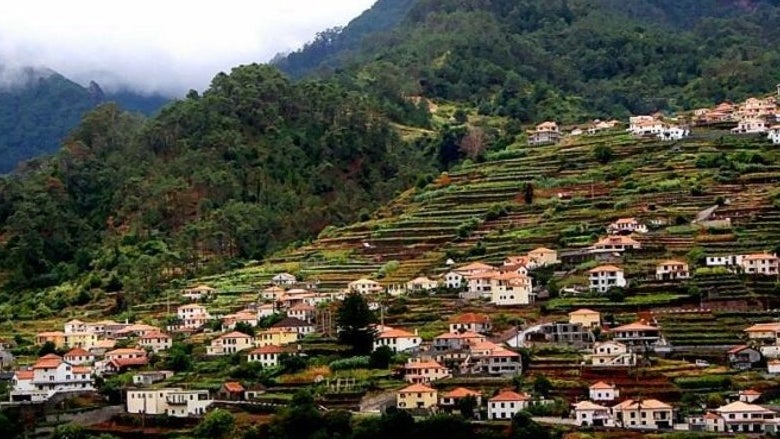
158 46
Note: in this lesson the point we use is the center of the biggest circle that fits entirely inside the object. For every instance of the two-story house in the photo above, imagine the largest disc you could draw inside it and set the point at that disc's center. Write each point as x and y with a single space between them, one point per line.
587 413
471 322
48 376
174 402
585 317
192 316
602 391
611 354
268 356
643 414
604 277
156 341
230 343
506 404
418 370
397 340
637 333
416 396
672 270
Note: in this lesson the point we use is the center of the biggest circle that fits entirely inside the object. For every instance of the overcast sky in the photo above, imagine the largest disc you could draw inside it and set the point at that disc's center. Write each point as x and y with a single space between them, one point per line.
160 45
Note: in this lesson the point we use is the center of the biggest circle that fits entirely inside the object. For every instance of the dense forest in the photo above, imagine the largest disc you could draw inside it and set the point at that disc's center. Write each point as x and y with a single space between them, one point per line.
39 107
260 161
569 59
251 165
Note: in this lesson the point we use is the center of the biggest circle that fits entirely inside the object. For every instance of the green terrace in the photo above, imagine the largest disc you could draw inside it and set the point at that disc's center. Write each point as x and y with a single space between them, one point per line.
481 214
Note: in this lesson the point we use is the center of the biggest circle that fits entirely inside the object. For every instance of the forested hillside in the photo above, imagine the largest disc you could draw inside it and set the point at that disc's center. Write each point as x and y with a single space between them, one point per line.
250 166
40 107
260 162
574 59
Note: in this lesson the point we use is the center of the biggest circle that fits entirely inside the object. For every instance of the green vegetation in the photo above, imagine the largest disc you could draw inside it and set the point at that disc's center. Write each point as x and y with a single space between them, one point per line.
38 111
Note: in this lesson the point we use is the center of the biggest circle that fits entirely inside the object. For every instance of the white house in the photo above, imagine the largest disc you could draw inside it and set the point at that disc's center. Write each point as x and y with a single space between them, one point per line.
626 225
471 322
587 413
774 134
479 285
506 404
48 376
285 279
617 243
508 289
75 325
604 277
421 283
760 263
230 343
773 366
417 370
602 391
636 333
79 357
644 125
156 341
303 312
199 292
453 280
397 340
741 417
611 354
364 286
265 310
272 293
268 356
673 132
643 414
672 270
192 316
543 256
172 402
751 126
545 133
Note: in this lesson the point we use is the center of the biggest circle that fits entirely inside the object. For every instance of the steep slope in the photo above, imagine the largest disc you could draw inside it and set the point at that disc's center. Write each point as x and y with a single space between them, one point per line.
253 164
332 46
39 106
479 211
573 59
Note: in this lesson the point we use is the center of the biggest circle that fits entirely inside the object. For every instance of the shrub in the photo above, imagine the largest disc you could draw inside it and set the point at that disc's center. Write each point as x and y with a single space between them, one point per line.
360 362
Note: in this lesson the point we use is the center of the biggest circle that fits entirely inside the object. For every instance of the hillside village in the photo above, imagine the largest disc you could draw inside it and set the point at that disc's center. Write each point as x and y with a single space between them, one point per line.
563 332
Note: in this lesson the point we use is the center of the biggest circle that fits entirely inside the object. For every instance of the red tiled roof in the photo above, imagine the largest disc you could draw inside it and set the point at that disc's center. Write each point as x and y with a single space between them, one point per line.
608 268
24 374
461 392
602 385
508 395
395 333
233 387
77 352
270 349
416 388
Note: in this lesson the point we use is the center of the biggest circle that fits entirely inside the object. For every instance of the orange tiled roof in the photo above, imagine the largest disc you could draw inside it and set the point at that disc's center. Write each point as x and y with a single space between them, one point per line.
416 388
508 395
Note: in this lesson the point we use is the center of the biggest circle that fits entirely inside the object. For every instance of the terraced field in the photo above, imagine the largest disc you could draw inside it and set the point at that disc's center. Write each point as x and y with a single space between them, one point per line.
649 179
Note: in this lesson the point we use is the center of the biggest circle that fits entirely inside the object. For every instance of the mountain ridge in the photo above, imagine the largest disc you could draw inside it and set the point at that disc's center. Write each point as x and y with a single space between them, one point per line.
39 106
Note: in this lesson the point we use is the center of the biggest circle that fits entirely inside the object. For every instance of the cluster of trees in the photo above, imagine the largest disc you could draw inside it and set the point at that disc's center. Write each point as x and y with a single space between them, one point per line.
574 59
254 163
41 106
302 420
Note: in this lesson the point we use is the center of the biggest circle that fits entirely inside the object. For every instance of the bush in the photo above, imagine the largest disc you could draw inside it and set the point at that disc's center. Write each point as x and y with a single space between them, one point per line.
360 362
